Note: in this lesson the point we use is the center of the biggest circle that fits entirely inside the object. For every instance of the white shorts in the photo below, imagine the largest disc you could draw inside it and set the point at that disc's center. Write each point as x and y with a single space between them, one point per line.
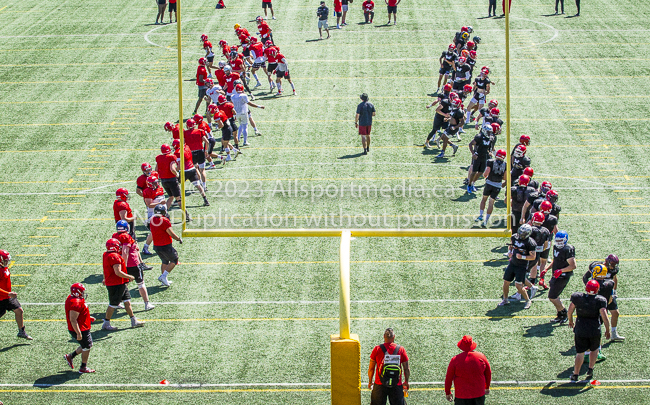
242 118
259 60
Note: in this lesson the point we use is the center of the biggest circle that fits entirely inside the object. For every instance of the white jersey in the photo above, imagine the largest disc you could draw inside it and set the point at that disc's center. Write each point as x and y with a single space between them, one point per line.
240 101
214 93
158 200
282 65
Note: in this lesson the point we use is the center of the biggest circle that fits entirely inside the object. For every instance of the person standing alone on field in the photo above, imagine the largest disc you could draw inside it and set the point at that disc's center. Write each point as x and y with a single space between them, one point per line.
390 360
392 9
322 13
267 4
470 374
345 11
363 121
161 11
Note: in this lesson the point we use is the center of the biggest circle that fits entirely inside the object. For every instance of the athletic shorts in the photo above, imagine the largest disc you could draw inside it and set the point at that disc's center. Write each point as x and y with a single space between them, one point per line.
172 7
322 24
162 2
392 9
86 341
364 129
345 7
458 86
226 133
171 186
198 157
445 70
233 124
191 175
515 272
338 13
479 164
246 52
210 58
439 123
266 4
257 65
587 343
212 142
557 286
478 98
612 306
492 191
544 254
271 67
135 272
470 401
10 304
117 294
202 91
282 74
166 253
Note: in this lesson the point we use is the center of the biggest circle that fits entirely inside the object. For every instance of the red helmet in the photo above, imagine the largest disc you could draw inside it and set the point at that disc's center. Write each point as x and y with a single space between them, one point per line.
457 102
203 61
462 60
448 87
464 53
592 287
253 39
524 139
239 88
198 118
538 218
524 180
168 126
212 108
472 54
470 45
176 144
223 43
467 88
209 82
520 151
113 245
493 103
463 29
204 37
545 187
78 290
501 154
452 47
529 171
122 193
496 128
152 181
546 207
494 112
146 168
453 95
165 149
190 123
5 258
268 44
221 99
552 196
259 19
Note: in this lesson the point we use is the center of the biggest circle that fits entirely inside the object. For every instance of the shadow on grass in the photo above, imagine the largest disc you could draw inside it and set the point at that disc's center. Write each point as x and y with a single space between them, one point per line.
541 330
6 349
93 279
499 249
356 155
501 262
572 16
314 40
465 197
59 378
505 312
565 389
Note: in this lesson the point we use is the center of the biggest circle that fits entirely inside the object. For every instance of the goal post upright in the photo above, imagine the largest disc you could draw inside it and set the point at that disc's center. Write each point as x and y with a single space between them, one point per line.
508 150
181 169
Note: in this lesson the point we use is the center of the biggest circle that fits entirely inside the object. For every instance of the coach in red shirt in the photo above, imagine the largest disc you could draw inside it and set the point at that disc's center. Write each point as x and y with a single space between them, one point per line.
470 373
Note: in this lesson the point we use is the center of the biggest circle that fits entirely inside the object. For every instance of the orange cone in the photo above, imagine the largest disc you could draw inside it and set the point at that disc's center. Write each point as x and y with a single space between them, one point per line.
164 382
595 382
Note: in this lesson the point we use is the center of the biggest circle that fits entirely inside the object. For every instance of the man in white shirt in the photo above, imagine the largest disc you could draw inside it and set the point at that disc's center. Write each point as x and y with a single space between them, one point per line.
241 102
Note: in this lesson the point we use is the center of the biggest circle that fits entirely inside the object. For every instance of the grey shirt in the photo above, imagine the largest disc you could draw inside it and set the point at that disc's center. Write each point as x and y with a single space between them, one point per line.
365 110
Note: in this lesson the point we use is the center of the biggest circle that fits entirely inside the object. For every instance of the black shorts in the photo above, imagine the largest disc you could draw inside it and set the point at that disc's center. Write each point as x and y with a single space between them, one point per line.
267 4
557 286
587 343
171 186
533 263
191 175
86 341
246 52
479 164
271 67
9 304
338 13
202 91
492 191
135 272
210 58
451 130
172 7
612 306
282 74
167 254
381 394
458 86
226 133
471 401
117 294
257 65
198 157
445 70
515 272
439 123
162 2
544 254
233 124
392 9
212 142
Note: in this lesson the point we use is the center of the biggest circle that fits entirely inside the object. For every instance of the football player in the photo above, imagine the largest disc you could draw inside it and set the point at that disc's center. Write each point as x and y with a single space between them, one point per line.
494 175
167 169
480 148
521 251
257 53
152 195
230 78
211 95
446 91
484 113
550 223
209 55
131 255
535 200
271 55
190 171
563 264
519 162
78 318
447 61
461 38
368 7
282 72
266 33
220 75
461 75
207 129
481 90
198 143
162 231
611 263
174 129
456 120
542 238
116 280
440 121
8 298
223 123
241 102
520 193
238 66
201 76
122 209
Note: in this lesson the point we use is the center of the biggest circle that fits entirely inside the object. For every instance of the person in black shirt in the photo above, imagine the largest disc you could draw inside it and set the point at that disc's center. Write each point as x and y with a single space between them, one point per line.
480 150
519 162
520 195
440 121
456 119
542 237
521 251
563 264
611 264
481 90
590 310
494 180
363 121
446 90
322 14
462 75
447 64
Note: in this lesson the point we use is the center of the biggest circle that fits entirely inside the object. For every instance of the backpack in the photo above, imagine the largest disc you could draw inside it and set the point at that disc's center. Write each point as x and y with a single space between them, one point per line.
391 370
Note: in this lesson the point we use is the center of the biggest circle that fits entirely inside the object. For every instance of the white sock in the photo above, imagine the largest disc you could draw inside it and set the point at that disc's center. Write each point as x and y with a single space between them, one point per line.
292 87
255 129
255 76
481 212
165 273
203 185
279 87
613 328
487 218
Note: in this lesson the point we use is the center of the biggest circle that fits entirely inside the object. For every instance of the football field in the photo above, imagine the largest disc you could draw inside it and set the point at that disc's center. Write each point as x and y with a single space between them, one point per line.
86 87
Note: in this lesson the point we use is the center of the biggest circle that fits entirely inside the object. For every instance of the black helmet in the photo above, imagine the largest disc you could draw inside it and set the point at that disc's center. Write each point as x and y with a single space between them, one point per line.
160 209
477 39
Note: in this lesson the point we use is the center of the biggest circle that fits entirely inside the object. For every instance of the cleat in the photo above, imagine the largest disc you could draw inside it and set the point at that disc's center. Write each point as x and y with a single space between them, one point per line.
210 166
441 155
258 133
469 189
247 144
504 302
109 327
590 373
206 203
146 251
515 297
69 360
23 335
473 189
438 143
227 159
86 370
533 291
427 146
455 148
484 224
528 304
480 218
278 93
145 267
574 378
164 281
258 85
209 76
136 324
543 285
616 337
148 306
465 182
294 93
560 318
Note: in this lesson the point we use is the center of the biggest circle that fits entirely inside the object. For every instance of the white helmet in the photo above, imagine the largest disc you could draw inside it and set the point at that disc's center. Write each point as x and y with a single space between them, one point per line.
227 68
222 64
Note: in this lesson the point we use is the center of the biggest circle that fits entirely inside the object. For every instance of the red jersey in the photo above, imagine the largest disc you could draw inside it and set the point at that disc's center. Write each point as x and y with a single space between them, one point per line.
338 7
5 282
238 64
119 205
109 260
264 29
392 3
189 164
242 38
225 50
141 182
227 109
230 82
221 77
159 226
271 54
368 5
207 45
205 127
241 31
378 356
152 193
132 258
221 116
164 162
176 132
78 305
194 138
201 75
258 48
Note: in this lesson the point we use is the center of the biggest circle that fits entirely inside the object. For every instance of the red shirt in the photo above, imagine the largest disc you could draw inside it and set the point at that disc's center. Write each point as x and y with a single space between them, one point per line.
78 305
242 37
227 109
230 82
153 193
5 282
119 205
164 161
337 6
378 356
141 182
221 116
392 3
470 373
110 259
176 132
189 165
194 138
207 45
225 50
264 29
172 1
132 258
237 64
271 54
159 226
258 48
241 31
201 71
205 127
368 5
221 77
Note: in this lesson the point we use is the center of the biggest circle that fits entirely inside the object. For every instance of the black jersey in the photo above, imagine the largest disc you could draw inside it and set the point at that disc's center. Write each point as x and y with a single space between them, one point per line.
520 163
448 58
497 171
610 273
494 120
471 62
534 184
555 211
606 285
550 222
523 247
540 235
459 41
443 95
457 117
588 313
483 144
561 258
482 82
519 196
445 103
463 72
